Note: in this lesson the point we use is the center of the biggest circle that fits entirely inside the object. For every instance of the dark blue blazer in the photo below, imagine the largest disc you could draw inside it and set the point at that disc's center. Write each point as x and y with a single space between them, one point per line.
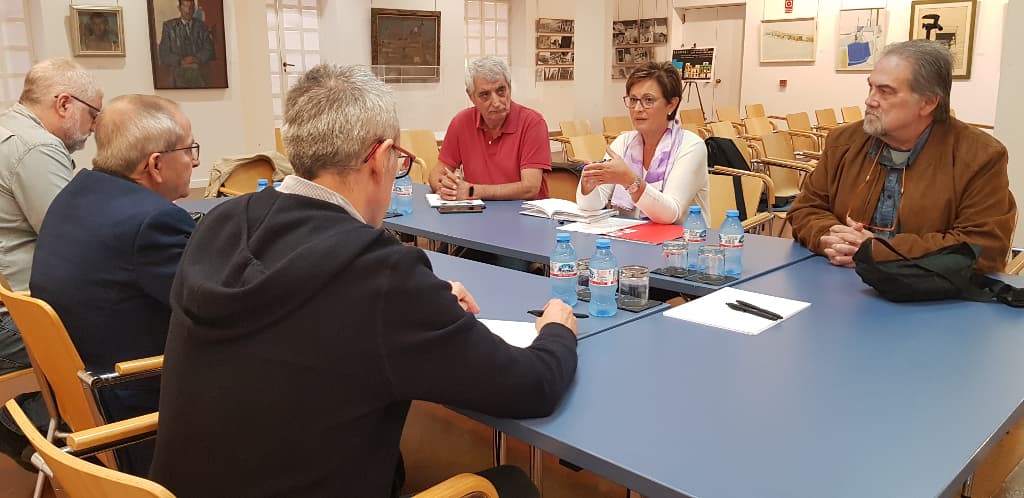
107 252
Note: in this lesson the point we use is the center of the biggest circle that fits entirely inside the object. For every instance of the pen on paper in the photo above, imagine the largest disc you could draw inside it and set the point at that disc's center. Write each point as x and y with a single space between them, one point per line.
580 167
538 313
758 308
750 311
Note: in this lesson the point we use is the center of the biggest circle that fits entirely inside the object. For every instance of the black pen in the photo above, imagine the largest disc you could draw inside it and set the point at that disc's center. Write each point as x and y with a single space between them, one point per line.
538 313
751 311
758 308
580 167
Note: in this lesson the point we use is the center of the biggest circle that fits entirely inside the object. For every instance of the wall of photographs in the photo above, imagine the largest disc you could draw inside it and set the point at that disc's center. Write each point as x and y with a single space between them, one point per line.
634 42
555 49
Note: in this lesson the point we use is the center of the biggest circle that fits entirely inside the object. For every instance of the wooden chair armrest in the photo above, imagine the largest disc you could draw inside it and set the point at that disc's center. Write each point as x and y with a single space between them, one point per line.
808 153
752 137
1015 265
142 364
460 485
783 163
804 133
560 139
757 219
227 191
769 184
111 433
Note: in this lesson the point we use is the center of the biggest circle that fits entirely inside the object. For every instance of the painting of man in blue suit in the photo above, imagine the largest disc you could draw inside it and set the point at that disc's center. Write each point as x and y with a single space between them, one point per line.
186 47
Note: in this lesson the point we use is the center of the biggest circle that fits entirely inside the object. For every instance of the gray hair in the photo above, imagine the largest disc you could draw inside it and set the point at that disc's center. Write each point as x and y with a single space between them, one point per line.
490 69
132 127
56 76
932 71
333 115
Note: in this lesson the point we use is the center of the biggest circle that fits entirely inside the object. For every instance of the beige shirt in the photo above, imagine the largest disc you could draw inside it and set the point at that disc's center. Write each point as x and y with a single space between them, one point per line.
300 186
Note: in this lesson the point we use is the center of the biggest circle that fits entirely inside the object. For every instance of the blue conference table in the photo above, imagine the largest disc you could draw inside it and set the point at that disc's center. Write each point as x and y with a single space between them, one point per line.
500 229
852 397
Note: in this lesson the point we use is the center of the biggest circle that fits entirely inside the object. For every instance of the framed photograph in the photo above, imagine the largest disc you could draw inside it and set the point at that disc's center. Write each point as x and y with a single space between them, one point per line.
561 58
545 25
555 42
790 40
186 44
407 43
861 35
950 22
97 31
621 72
625 33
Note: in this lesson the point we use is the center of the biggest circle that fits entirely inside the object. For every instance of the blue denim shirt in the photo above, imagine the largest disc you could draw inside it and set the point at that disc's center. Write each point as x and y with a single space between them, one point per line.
888 206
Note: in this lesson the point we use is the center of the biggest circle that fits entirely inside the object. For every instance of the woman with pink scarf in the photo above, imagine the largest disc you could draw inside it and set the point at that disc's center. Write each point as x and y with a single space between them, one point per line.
658 170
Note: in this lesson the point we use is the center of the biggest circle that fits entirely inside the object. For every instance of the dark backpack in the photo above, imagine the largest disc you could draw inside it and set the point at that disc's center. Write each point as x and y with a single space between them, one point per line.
723 152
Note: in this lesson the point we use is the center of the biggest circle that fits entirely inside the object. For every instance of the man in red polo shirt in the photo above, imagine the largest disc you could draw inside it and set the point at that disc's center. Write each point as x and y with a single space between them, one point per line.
501 146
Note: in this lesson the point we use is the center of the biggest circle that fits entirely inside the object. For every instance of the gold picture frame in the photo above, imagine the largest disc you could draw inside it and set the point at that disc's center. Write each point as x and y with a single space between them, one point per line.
97 31
950 22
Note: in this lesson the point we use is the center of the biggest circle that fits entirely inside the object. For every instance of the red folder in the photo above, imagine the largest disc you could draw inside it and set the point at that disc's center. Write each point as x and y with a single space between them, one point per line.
649 233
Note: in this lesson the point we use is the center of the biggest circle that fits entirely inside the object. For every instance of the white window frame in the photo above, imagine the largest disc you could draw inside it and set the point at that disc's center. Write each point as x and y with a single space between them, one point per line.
12 79
293 38
487 31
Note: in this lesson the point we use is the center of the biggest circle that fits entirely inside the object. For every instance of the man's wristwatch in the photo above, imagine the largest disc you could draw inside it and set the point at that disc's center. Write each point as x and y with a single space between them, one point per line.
633 187
471 191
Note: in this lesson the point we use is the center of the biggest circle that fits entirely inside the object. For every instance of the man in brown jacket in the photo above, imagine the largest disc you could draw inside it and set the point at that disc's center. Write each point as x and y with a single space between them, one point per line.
909 172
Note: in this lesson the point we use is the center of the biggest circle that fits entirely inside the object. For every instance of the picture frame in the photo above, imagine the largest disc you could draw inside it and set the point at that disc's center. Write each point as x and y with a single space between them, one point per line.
555 58
97 31
555 26
950 22
186 44
555 42
789 40
860 37
407 43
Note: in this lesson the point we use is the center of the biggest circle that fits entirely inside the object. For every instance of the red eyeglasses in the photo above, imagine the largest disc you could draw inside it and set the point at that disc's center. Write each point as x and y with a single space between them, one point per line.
405 159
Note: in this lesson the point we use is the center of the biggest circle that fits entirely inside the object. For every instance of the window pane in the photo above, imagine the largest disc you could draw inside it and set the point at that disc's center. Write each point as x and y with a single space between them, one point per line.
295 58
472 9
311 41
289 3
14 33
309 3
13 8
272 40
293 79
291 18
17 61
489 29
502 30
275 63
292 40
502 46
271 18
272 4
14 86
312 60
472 45
472 28
275 86
309 20
489 46
277 106
502 11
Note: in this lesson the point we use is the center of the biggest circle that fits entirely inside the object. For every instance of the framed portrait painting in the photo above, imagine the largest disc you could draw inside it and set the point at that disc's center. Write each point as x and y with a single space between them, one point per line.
949 22
186 44
97 31
407 44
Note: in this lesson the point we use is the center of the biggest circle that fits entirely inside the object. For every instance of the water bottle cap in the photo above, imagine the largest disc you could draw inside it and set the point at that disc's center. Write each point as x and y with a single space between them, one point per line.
732 213
277 184
262 182
562 237
603 244
694 209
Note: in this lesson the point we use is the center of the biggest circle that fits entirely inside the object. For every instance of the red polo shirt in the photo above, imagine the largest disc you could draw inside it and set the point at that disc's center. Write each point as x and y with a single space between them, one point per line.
522 144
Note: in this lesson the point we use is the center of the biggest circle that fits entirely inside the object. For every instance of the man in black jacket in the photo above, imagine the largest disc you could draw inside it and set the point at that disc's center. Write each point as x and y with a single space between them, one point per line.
301 330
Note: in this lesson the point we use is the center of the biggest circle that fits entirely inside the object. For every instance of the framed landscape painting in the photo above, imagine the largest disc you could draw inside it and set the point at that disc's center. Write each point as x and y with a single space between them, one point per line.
407 43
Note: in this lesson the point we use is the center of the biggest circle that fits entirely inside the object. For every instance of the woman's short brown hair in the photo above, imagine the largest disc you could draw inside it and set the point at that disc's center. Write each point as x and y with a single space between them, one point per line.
665 75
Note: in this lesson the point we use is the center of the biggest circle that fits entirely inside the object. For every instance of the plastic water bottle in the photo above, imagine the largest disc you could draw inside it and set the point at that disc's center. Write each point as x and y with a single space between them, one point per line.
261 184
277 184
695 232
401 195
604 280
730 237
563 270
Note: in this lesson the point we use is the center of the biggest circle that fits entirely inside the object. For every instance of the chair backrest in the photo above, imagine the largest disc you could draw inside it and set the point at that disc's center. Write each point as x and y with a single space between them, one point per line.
826 117
1015 265
82 479
695 116
852 113
54 356
423 144
244 177
278 142
562 182
723 196
758 126
780 146
724 129
574 128
799 121
587 147
613 125
729 114
755 110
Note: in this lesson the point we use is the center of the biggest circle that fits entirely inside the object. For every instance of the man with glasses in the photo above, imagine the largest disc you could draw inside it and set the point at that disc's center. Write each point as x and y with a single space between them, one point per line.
111 243
293 305
52 119
909 172
496 149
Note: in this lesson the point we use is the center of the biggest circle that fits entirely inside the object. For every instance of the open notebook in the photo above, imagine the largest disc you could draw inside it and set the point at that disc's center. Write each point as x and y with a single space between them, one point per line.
561 209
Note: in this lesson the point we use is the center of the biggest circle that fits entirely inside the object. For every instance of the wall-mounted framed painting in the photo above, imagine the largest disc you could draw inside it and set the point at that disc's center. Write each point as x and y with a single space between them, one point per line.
861 35
407 43
186 44
789 40
950 22
97 31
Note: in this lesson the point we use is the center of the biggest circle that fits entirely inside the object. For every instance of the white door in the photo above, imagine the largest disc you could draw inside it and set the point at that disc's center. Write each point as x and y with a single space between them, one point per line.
722 28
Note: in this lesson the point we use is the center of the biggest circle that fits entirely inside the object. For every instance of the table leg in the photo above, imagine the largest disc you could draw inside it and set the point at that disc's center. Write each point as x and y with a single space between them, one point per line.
537 468
500 446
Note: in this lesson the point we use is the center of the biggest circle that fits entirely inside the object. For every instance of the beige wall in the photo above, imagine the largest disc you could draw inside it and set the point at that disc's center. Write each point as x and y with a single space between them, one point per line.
1010 108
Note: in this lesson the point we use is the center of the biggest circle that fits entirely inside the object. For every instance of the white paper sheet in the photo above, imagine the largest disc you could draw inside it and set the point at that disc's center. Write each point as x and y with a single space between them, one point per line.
435 200
711 310
601 227
518 334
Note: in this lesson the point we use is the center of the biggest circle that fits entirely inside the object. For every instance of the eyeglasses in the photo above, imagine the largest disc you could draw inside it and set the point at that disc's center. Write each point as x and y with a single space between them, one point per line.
405 159
95 110
194 147
646 102
860 189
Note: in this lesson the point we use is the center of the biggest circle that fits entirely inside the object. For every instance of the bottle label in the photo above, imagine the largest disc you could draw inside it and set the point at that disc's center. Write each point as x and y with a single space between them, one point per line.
695 235
604 278
403 190
564 270
731 241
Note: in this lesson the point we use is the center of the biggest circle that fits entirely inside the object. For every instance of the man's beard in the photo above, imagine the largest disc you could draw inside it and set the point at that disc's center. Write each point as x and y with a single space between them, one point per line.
74 139
873 124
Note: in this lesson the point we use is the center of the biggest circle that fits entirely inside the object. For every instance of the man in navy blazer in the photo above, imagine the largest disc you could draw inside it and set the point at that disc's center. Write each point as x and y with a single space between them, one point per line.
110 244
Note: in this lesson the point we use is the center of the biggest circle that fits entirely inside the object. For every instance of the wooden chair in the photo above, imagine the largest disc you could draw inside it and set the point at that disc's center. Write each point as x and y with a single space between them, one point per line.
278 142
562 182
851 113
1016 264
243 179
616 125
804 136
423 144
700 131
753 185
754 110
694 116
826 118
81 479
575 128
730 114
585 149
782 166
15 383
